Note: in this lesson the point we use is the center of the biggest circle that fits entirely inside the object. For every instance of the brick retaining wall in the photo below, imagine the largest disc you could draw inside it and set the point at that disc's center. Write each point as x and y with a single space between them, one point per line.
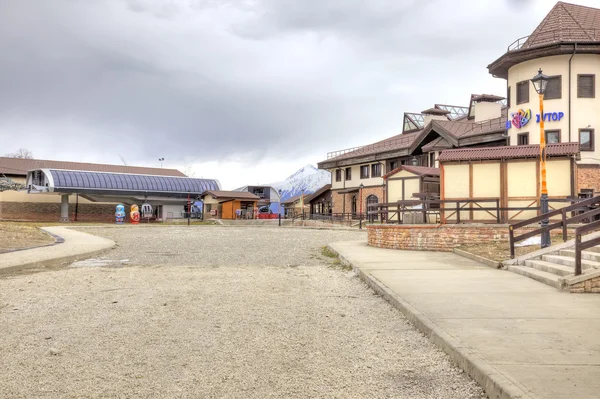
433 237
50 212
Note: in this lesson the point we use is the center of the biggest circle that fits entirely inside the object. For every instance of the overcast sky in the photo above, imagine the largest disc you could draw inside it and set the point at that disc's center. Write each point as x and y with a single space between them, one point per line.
245 91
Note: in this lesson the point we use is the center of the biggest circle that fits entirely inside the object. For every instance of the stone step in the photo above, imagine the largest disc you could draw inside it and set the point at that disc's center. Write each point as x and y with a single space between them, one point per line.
549 267
570 261
587 254
543 277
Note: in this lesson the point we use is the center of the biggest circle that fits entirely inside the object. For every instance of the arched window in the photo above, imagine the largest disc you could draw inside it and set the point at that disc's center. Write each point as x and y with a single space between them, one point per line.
372 199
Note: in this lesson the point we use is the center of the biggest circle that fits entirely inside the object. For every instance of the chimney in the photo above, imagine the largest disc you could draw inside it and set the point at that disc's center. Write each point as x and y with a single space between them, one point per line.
432 114
487 106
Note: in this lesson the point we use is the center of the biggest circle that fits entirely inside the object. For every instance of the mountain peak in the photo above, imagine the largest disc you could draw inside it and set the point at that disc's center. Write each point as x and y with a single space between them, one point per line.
307 180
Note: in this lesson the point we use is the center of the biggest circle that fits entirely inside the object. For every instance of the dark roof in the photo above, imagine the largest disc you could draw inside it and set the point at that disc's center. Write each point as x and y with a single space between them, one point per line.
487 98
435 111
417 170
72 181
292 199
317 193
397 142
508 152
438 144
217 194
20 166
565 24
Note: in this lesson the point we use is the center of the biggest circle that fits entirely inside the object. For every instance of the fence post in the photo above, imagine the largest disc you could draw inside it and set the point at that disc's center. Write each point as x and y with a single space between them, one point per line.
497 210
577 253
564 224
457 212
280 220
398 213
360 220
511 241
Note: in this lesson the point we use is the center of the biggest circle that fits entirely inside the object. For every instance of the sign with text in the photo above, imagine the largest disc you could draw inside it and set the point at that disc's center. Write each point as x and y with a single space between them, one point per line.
522 117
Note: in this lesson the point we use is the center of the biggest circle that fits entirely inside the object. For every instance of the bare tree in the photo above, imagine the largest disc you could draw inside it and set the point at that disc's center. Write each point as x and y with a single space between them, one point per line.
123 160
188 171
22 153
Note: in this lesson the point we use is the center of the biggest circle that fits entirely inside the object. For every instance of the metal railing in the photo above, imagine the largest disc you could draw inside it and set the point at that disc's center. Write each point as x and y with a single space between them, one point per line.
558 36
586 211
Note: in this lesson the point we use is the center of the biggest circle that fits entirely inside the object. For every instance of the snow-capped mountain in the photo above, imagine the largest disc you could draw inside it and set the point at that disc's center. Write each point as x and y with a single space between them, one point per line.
309 179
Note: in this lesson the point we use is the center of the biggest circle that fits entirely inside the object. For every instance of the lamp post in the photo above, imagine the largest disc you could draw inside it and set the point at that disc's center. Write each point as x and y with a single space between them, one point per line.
540 82
279 191
161 161
360 208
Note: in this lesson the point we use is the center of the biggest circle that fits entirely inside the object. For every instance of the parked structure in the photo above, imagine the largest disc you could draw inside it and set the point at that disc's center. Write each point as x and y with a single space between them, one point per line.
566 46
229 204
18 205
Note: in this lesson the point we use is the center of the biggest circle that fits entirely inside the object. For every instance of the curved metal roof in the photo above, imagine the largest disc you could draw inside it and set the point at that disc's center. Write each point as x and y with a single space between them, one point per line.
121 183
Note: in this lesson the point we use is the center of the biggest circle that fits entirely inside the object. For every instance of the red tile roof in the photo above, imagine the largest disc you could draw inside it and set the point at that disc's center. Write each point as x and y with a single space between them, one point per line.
508 152
232 195
566 23
417 170
20 167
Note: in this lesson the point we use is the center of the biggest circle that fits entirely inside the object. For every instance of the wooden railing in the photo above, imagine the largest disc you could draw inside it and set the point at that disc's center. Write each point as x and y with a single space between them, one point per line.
587 209
580 246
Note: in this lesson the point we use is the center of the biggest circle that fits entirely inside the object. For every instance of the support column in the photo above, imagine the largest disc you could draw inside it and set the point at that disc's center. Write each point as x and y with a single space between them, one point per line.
64 208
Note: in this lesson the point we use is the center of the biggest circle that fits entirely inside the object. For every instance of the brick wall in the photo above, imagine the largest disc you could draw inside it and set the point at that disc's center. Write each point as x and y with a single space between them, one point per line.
588 176
339 201
433 237
591 285
50 212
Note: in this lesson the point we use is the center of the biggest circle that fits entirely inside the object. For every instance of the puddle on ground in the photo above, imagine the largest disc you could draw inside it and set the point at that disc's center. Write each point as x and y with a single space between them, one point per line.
100 263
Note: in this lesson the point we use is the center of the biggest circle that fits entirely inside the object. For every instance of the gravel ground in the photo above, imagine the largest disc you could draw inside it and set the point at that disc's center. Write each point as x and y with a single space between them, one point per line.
214 311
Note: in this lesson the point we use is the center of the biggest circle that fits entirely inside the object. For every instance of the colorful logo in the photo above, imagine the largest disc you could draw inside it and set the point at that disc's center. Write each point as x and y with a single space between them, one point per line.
521 118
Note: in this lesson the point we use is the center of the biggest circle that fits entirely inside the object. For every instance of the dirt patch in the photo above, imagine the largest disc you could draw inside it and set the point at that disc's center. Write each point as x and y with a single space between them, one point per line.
500 251
21 236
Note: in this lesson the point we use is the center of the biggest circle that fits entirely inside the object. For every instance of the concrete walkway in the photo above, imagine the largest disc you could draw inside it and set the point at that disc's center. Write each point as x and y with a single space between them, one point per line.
515 336
76 245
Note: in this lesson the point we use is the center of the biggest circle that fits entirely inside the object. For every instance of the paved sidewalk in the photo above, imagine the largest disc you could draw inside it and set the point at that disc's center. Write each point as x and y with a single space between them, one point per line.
76 245
515 336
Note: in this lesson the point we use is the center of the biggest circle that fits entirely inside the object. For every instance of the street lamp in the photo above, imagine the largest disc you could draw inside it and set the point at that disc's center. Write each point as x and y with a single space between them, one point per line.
360 209
540 82
161 161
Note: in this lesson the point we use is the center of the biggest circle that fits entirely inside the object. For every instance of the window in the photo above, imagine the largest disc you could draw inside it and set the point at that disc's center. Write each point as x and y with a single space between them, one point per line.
508 96
586 139
393 165
364 172
586 86
554 88
338 175
348 173
432 159
552 136
523 92
522 138
376 170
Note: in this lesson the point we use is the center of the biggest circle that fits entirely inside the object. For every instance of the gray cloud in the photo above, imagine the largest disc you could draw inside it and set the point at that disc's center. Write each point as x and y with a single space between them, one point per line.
226 80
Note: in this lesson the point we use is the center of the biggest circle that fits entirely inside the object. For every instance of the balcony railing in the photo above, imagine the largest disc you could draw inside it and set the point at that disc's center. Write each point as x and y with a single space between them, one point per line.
558 36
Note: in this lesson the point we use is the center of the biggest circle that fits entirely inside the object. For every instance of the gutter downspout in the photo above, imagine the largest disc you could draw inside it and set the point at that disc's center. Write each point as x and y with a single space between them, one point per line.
572 55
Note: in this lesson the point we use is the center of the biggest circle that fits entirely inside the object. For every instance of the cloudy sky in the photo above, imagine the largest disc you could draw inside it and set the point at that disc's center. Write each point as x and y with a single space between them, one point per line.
246 91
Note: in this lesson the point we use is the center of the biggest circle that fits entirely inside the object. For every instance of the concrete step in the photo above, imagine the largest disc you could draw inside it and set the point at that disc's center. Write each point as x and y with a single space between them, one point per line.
543 277
587 254
570 261
549 267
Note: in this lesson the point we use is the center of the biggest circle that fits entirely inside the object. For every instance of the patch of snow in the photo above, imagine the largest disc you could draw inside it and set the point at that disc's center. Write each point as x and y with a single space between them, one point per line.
530 241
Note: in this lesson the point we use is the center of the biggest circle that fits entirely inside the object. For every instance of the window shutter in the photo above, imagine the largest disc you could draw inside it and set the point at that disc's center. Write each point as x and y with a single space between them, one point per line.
585 86
523 92
554 89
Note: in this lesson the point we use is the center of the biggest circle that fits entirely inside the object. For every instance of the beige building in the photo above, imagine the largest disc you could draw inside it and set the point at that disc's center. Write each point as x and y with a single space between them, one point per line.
357 173
566 46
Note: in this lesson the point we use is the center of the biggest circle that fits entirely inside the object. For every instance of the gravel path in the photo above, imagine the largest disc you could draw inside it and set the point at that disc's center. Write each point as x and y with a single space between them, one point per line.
214 311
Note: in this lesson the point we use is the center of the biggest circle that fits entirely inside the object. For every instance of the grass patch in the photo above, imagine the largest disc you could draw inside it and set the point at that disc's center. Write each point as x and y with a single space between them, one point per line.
335 262
17 236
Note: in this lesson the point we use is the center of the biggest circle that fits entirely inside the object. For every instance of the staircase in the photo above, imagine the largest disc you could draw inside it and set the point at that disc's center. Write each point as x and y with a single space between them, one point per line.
550 269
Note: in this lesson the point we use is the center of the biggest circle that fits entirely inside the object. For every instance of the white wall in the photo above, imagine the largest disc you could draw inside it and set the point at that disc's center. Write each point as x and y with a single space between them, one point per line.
584 111
356 180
